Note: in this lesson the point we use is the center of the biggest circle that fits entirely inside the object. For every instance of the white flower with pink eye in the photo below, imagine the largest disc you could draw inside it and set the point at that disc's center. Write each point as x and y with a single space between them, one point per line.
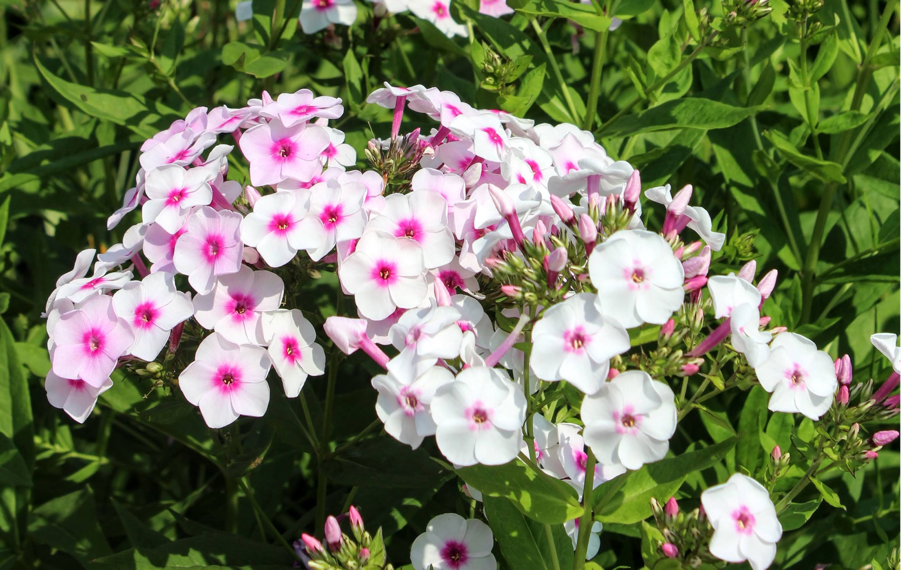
422 336
338 154
404 406
181 149
292 348
729 291
209 248
152 307
451 542
276 227
316 15
574 342
747 338
489 139
495 8
572 457
745 525
594 540
455 276
234 306
800 378
75 397
546 446
302 106
159 247
638 278
77 290
82 264
227 380
172 191
384 273
277 152
528 163
887 344
89 341
479 417
421 217
339 208
630 420
438 13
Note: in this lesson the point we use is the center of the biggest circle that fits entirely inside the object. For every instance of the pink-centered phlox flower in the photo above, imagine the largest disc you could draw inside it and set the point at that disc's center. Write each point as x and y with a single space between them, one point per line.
292 348
451 542
338 209
438 13
234 307
301 107
489 138
75 397
172 192
209 247
153 307
420 216
800 378
422 336
730 291
404 407
277 152
277 227
316 15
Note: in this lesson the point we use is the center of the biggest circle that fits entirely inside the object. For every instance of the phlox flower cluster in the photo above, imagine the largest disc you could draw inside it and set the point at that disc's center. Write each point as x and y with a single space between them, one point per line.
493 263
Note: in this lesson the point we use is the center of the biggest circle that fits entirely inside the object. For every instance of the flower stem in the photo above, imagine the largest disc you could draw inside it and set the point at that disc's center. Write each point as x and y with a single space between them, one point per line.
278 14
542 38
600 44
587 516
687 408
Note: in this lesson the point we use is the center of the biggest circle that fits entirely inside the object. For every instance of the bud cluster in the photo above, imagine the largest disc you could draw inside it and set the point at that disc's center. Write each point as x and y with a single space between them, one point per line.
342 552
397 159
685 535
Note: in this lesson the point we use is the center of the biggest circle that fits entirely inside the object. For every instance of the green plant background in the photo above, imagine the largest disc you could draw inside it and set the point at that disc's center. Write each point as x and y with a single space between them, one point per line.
795 141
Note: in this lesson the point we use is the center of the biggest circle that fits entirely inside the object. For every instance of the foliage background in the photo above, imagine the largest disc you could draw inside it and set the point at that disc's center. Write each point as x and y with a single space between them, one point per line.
145 484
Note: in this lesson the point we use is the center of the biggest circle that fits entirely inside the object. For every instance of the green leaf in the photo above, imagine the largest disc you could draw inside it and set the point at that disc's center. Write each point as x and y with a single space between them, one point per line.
778 432
69 523
842 122
691 19
13 470
143 116
109 51
750 423
823 169
643 335
437 39
139 534
353 77
764 86
384 462
689 113
523 541
4 218
583 14
796 514
825 58
529 90
829 495
626 9
626 499
536 494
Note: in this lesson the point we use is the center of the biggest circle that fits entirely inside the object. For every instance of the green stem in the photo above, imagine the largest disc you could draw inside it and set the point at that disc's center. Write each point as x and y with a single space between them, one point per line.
278 14
88 48
231 505
356 439
272 530
587 516
805 480
861 255
542 38
597 63
311 431
661 82
551 546
687 407
811 117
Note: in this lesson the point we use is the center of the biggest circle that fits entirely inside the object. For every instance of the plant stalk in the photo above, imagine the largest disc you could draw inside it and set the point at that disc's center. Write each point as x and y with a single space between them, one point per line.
542 38
588 515
597 63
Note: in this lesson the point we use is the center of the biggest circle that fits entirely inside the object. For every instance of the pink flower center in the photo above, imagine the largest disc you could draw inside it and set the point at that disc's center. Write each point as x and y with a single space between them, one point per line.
637 277
627 421
570 166
93 283
330 152
454 554
283 149
440 11
744 520
176 196
451 280
384 273
323 5
479 417
77 385
281 223
93 341
291 349
455 112
575 340
180 155
796 376
331 215
214 246
409 228
536 170
240 307
227 378
302 110
145 315
408 398
538 453
494 137
581 459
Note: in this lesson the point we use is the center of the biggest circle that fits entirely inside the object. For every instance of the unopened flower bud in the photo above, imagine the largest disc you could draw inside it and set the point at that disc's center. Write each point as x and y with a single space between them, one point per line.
887 387
313 546
843 370
633 191
693 247
502 201
766 284
332 533
885 437
764 321
892 402
667 329
871 455
557 259
697 265
612 373
538 234
511 291
669 550
690 369
672 507
251 194
843 396
563 210
588 231
656 508
154 367
680 201
356 521
748 271
250 255
855 429
695 283
776 454
364 554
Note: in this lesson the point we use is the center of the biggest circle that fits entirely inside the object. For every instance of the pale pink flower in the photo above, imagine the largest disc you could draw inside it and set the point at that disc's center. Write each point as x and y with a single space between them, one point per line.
747 338
75 397
637 277
316 15
302 106
438 13
77 290
159 247
384 273
404 407
82 265
209 248
173 192
339 209
799 377
574 460
276 228
495 8
489 139
479 417
292 348
422 217
130 201
422 336
234 306
730 291
226 380
630 420
89 341
152 307
277 152
181 149
338 154
745 525
679 215
451 542
574 342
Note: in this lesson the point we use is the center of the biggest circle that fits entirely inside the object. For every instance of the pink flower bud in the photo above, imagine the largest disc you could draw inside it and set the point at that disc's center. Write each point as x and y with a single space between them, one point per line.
678 252
885 437
843 396
538 234
764 321
693 247
252 195
777 330
668 328
672 507
588 229
313 546
690 369
697 265
175 337
332 533
557 259
345 332
887 387
356 521
695 283
502 201
892 402
364 554
612 373
854 430
562 209
677 207
766 284
669 550
843 370
442 295
511 291
633 190
871 455
776 454
748 270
